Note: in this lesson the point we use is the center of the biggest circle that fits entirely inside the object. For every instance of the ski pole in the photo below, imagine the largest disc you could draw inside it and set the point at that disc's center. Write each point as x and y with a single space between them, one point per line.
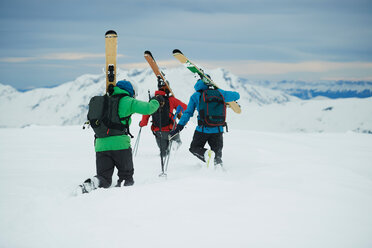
135 148
178 110
161 147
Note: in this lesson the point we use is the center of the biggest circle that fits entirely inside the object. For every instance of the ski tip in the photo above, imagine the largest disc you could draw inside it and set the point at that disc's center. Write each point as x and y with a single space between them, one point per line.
111 32
177 51
148 53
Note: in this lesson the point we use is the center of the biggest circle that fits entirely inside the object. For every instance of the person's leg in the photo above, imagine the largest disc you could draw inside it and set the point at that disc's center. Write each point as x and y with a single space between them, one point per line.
124 163
105 168
216 143
177 142
197 145
163 142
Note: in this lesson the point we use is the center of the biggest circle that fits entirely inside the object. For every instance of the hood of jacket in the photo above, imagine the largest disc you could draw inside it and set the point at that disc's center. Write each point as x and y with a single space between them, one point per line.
200 85
117 91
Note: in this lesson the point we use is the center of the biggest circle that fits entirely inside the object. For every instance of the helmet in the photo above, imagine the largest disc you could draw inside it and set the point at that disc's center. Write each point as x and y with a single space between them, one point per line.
161 83
128 86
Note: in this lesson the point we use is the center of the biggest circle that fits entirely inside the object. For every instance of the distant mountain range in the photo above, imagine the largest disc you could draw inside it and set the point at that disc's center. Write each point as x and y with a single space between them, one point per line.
67 103
309 90
266 106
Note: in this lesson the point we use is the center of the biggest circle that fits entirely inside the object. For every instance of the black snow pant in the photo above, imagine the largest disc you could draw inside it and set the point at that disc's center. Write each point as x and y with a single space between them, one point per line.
107 161
163 141
215 141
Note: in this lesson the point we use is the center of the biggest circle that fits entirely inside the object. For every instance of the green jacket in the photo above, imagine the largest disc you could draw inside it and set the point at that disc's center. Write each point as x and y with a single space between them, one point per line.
127 106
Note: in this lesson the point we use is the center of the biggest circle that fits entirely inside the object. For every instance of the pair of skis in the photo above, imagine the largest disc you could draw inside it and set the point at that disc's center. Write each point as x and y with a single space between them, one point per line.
193 68
207 80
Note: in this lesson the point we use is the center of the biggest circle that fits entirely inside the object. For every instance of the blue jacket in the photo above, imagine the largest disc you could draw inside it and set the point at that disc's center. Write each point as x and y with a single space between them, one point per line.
194 104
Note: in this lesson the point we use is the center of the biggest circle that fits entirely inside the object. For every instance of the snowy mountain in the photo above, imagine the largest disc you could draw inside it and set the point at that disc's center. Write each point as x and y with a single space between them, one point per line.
264 109
67 104
330 89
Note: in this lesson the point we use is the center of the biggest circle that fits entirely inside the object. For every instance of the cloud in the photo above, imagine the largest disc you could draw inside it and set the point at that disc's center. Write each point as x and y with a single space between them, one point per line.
71 56
161 63
306 70
55 56
16 59
270 68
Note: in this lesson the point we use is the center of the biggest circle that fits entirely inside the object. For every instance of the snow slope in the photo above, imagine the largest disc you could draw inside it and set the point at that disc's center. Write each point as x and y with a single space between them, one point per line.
328 115
278 190
67 104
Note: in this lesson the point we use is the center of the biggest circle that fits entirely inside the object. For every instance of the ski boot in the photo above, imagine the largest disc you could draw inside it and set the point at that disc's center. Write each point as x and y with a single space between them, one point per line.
209 157
88 185
129 182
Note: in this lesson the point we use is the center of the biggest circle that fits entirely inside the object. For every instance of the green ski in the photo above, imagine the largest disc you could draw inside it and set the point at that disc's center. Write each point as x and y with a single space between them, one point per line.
194 69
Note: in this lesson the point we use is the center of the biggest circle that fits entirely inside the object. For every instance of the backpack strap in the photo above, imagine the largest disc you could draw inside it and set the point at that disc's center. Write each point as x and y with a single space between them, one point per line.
126 119
126 125
120 126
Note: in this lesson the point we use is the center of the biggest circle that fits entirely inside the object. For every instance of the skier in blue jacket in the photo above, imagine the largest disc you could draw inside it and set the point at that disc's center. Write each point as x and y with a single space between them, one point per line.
204 134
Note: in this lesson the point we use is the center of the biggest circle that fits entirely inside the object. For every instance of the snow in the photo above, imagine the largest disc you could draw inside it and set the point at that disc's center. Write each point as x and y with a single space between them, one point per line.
279 189
298 173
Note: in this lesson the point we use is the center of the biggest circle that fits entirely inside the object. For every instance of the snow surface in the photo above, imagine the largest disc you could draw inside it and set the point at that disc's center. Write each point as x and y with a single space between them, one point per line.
278 190
298 173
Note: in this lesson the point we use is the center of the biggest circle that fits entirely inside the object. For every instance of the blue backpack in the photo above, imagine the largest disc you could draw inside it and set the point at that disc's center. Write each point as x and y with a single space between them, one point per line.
212 109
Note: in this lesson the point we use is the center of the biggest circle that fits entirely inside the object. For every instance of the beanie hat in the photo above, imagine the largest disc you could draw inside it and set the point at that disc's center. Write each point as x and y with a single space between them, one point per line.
128 86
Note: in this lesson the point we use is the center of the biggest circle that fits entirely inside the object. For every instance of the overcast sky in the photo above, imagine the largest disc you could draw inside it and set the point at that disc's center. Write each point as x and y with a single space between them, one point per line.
47 42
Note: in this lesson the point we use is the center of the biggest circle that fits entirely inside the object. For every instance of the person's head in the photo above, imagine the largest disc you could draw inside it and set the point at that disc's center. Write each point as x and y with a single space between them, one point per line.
130 87
203 83
162 85
200 85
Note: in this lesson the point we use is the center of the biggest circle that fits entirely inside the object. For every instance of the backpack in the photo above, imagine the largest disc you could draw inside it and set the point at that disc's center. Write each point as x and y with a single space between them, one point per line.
104 118
212 109
161 116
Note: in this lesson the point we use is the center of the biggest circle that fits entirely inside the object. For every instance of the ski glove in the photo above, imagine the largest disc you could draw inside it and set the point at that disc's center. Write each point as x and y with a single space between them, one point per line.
173 133
159 98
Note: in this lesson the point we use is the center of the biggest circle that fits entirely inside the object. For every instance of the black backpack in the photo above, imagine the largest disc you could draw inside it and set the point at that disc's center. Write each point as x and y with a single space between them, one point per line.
161 116
212 109
104 118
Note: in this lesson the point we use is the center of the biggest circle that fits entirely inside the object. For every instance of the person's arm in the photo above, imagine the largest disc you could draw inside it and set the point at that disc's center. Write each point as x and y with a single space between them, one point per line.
189 112
144 120
230 95
178 102
144 108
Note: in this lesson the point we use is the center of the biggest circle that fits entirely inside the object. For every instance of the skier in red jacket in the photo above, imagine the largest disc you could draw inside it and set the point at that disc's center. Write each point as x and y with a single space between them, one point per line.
164 117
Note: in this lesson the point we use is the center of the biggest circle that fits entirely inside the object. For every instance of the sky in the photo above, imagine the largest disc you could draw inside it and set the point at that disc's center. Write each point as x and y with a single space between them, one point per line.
47 42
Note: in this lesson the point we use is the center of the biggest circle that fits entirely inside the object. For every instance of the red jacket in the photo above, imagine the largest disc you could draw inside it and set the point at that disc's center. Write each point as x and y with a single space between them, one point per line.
173 104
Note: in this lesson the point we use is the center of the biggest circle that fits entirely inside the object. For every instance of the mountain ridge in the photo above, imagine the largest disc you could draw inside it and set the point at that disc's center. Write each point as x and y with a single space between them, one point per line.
67 104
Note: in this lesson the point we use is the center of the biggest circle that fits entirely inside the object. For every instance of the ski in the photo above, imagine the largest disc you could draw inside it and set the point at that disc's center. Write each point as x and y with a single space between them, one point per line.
155 68
111 51
207 80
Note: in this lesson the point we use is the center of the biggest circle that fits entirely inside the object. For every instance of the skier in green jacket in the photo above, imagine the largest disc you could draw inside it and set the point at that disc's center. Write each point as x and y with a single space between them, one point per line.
115 151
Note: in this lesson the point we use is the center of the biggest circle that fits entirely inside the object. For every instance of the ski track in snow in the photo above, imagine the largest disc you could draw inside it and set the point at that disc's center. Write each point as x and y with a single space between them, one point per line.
278 190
